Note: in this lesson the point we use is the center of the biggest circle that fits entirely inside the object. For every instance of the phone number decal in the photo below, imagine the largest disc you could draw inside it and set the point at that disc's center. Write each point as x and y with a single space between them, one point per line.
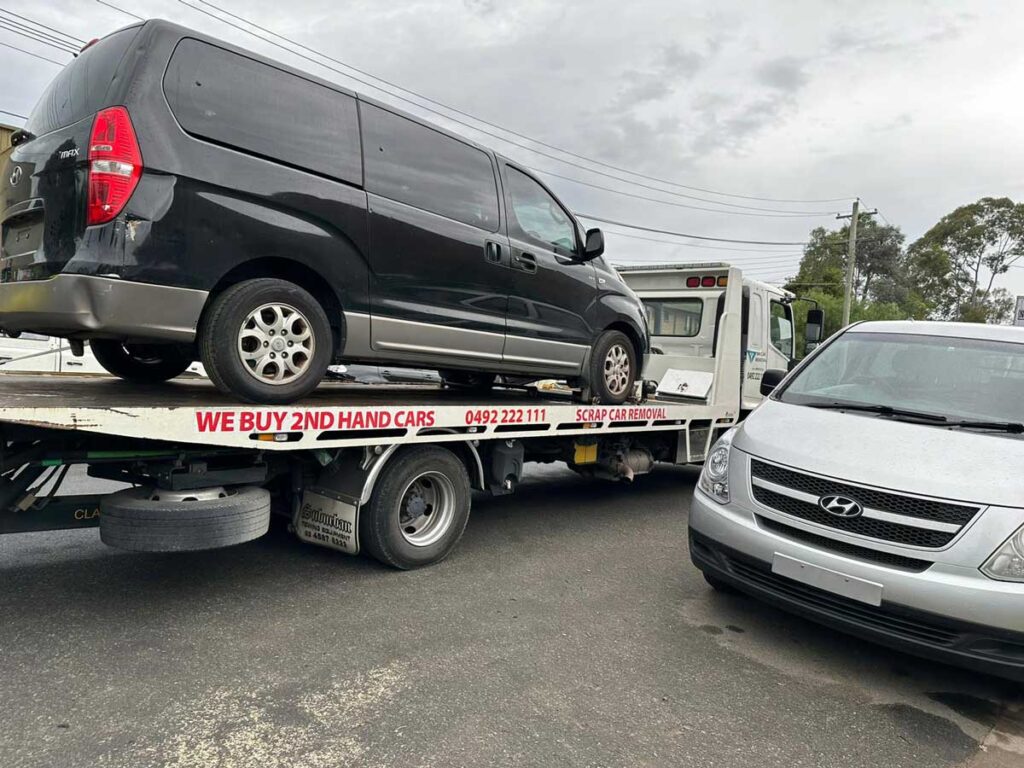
484 416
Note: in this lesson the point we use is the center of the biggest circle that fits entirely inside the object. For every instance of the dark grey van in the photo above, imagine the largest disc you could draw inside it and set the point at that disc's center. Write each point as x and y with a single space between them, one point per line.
175 198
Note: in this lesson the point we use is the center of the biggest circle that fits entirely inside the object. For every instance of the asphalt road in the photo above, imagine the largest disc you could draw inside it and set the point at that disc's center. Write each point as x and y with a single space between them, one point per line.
568 629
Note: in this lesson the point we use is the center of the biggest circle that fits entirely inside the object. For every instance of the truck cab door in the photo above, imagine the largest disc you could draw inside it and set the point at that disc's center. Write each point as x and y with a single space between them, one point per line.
755 354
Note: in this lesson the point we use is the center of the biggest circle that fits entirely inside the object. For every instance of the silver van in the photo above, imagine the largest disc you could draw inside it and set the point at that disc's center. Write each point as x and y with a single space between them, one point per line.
880 490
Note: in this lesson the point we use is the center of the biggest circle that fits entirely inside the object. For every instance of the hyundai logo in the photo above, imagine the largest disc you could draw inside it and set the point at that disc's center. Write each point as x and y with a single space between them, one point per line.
16 176
841 506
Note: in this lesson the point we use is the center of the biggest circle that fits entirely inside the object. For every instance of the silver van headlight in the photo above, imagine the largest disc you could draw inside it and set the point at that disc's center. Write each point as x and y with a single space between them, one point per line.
1007 562
714 477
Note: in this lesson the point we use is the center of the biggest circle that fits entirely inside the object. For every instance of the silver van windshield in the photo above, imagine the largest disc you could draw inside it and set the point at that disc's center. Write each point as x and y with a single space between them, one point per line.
955 378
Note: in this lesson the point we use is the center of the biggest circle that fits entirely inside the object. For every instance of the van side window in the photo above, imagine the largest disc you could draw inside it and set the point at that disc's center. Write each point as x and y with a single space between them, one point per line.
416 165
781 329
537 215
242 103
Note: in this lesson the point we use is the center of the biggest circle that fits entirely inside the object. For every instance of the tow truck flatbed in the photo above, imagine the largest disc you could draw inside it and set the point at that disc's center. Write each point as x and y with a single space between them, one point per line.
336 415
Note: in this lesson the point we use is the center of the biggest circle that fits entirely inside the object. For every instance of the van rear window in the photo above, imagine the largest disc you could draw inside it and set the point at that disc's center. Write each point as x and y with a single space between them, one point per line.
251 106
80 89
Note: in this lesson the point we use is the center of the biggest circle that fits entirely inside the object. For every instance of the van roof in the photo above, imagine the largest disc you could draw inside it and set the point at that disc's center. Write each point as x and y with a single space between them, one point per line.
936 328
164 27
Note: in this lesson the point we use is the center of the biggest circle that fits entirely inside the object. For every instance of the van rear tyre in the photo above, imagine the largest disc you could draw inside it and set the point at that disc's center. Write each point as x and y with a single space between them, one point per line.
154 520
418 510
141 363
266 341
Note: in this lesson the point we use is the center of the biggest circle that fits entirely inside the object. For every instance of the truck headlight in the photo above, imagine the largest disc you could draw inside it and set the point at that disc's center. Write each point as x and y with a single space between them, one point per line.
714 478
1007 562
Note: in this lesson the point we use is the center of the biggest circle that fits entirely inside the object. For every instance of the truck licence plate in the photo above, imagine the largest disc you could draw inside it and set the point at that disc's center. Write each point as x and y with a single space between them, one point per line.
862 590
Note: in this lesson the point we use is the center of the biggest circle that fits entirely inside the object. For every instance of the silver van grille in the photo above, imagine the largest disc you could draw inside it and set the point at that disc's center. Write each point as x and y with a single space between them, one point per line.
890 517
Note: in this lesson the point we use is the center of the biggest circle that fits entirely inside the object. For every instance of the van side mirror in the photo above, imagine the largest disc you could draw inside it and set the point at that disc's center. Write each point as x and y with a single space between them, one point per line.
770 380
815 328
594 245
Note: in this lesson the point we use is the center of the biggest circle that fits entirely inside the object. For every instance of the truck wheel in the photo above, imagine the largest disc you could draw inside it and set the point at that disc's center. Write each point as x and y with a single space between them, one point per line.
469 381
141 363
613 367
266 341
418 510
155 520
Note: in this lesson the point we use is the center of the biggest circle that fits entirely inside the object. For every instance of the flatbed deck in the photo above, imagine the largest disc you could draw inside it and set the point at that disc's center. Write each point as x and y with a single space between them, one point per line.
336 415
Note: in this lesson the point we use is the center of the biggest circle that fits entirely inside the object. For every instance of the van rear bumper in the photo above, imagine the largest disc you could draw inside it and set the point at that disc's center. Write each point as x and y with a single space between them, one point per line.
86 307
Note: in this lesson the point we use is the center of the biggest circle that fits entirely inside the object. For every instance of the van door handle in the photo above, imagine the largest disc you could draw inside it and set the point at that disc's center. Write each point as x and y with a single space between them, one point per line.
492 252
527 262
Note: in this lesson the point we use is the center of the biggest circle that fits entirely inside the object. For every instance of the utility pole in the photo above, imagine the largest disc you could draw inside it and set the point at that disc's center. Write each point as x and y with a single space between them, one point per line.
851 258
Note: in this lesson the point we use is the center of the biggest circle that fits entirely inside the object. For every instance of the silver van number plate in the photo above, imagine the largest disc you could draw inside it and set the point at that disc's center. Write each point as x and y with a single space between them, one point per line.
838 583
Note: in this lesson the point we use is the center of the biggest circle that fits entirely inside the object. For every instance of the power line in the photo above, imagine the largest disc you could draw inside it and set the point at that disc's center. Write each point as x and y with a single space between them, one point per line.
473 117
43 26
122 10
39 37
30 53
14 114
775 214
684 234
704 247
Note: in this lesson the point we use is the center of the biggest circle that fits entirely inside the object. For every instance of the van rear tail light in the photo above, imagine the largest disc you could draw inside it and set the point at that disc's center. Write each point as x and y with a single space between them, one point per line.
707 282
693 282
115 165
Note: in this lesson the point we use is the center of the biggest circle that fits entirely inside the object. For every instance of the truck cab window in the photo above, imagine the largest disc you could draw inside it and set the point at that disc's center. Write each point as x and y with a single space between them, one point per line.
781 329
537 214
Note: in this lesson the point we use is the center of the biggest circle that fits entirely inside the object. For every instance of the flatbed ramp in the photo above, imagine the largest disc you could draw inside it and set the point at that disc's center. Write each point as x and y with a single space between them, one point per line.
336 415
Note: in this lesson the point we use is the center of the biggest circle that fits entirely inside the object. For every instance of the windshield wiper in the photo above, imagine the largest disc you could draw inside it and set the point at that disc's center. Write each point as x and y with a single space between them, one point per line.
881 410
1013 427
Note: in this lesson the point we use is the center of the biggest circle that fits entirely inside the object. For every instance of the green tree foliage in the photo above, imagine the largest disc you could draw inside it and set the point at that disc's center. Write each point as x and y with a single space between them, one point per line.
878 265
954 265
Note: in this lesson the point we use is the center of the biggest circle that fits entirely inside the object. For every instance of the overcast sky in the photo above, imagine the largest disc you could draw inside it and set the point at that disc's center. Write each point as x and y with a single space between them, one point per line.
913 106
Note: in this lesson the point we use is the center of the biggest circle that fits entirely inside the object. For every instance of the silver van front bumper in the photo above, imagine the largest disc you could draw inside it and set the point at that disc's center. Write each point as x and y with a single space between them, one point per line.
951 612
83 306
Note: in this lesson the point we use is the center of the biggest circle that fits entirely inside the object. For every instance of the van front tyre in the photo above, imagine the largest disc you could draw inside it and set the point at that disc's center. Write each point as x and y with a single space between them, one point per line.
266 341
418 510
141 363
613 367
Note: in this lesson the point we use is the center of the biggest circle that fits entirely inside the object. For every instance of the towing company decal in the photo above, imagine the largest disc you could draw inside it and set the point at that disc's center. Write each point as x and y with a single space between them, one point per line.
312 419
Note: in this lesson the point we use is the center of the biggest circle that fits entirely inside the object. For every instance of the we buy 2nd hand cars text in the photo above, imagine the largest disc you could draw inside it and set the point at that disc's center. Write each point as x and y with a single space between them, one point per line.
265 420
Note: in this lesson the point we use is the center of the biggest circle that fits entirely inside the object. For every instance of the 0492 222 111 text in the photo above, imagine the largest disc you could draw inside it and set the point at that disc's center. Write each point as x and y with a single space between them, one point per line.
481 416
266 420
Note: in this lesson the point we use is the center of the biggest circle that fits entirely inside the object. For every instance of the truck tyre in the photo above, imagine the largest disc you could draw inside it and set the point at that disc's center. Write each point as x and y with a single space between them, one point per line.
266 341
613 367
141 363
468 381
154 520
418 510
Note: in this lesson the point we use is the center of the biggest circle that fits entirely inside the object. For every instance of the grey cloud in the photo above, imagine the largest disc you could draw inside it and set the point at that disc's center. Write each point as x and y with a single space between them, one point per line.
785 73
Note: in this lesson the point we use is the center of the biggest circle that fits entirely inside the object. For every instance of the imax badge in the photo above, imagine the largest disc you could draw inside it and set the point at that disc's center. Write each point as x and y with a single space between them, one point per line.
16 176
841 506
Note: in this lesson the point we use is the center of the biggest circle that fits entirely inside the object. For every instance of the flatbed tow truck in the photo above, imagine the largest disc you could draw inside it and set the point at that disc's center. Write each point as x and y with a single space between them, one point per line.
383 470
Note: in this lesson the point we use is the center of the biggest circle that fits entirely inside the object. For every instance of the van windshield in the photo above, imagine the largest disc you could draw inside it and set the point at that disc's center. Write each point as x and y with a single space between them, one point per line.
80 89
958 379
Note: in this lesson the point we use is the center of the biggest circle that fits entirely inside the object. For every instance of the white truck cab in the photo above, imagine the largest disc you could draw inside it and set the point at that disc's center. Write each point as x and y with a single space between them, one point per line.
684 304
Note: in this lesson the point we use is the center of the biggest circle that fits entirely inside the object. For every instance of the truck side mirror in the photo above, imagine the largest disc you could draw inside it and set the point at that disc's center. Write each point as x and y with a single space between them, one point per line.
771 380
815 328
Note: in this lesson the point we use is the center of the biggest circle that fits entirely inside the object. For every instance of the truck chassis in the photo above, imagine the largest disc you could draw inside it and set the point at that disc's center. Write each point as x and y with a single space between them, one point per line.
207 472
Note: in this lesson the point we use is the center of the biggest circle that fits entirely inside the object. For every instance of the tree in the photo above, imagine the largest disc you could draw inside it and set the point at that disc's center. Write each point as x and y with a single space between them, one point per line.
973 245
878 267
